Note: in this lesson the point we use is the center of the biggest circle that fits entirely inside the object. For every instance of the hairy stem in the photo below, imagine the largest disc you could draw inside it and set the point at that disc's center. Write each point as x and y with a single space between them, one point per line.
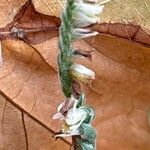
64 59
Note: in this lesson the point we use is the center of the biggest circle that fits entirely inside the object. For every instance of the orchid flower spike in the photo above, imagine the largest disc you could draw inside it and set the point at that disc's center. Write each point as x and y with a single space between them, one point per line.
76 117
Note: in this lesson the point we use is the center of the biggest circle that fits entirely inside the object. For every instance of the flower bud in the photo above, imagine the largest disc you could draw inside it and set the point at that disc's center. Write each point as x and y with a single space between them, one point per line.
82 73
85 14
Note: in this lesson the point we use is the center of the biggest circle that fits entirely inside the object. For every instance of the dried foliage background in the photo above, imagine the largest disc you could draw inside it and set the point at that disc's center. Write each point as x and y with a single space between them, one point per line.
30 89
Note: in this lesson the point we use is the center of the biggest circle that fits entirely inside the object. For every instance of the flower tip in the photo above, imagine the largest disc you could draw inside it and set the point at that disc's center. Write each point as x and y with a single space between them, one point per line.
95 33
92 75
104 2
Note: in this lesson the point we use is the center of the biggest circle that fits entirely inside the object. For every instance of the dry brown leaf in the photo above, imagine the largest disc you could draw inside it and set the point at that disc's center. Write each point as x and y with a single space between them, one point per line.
8 10
131 54
19 131
126 11
27 80
49 7
31 26
133 33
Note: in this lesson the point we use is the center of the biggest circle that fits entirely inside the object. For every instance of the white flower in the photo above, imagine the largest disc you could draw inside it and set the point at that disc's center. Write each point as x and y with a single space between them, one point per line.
63 108
73 120
86 14
75 116
82 73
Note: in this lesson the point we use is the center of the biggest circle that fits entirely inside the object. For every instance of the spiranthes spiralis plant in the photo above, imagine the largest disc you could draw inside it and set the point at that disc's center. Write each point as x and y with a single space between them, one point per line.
76 117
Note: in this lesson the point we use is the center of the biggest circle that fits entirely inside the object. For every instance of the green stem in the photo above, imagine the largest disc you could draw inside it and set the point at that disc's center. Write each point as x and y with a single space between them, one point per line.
65 47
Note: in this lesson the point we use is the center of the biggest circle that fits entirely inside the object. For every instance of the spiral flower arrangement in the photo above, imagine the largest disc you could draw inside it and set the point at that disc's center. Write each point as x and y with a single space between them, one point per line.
76 117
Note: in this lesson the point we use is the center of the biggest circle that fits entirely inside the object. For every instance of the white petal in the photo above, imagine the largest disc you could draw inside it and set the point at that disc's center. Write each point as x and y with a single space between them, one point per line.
80 30
89 34
76 126
74 117
58 116
60 106
83 33
66 135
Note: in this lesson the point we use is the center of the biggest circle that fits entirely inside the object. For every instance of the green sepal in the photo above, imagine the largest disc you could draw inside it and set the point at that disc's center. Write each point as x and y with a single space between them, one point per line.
81 100
88 137
90 114
88 133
